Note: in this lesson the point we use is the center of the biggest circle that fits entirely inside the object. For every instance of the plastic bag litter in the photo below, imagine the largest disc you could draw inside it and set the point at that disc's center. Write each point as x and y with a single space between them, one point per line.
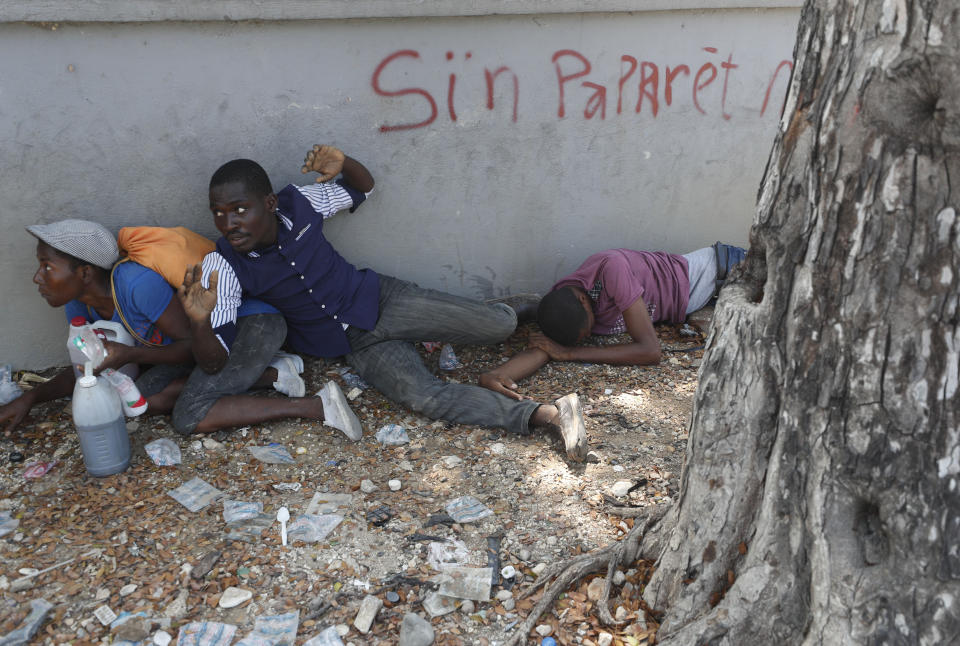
38 469
272 454
164 452
206 633
30 625
311 529
392 435
466 582
431 346
234 510
353 380
7 522
448 360
250 529
274 630
9 389
467 509
329 637
448 554
325 502
195 494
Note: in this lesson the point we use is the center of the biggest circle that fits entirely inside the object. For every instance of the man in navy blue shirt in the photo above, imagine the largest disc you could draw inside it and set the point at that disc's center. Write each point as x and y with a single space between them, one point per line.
273 248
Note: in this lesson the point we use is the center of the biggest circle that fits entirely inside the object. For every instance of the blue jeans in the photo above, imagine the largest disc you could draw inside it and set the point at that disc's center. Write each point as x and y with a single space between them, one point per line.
259 336
387 359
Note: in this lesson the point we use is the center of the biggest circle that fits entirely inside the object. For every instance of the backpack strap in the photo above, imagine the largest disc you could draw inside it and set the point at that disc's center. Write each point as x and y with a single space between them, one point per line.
123 319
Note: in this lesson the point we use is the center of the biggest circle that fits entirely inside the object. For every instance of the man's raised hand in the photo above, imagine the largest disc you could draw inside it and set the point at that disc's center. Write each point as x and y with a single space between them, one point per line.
326 160
198 301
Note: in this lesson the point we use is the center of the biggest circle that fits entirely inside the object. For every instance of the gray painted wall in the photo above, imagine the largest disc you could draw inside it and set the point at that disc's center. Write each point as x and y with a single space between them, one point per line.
123 116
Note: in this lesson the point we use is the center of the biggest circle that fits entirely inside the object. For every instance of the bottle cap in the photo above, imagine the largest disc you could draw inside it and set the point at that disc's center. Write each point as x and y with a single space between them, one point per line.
78 321
87 380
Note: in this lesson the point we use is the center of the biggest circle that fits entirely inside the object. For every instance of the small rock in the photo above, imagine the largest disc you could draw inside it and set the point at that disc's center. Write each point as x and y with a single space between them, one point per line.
369 608
539 568
406 465
342 629
620 614
415 631
178 607
102 593
551 540
627 590
619 577
503 595
394 484
467 607
367 486
354 393
595 589
211 444
618 468
604 639
233 597
162 638
592 457
196 445
438 605
127 590
133 425
498 448
544 629
524 554
134 629
450 461
509 605
621 488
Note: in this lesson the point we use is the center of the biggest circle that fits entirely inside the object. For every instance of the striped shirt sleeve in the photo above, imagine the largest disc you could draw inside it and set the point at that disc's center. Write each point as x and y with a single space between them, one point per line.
329 197
223 318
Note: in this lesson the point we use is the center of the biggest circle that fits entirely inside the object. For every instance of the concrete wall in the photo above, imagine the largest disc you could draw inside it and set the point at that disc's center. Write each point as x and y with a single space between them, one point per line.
506 147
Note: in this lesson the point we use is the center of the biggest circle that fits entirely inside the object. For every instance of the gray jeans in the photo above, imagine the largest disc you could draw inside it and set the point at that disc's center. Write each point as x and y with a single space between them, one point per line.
259 336
386 358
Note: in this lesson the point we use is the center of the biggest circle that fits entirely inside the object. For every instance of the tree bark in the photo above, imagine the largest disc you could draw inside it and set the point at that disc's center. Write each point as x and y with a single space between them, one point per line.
820 501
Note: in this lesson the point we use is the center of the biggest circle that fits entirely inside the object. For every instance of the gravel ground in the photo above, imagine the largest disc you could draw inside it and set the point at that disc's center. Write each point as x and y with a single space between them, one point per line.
135 549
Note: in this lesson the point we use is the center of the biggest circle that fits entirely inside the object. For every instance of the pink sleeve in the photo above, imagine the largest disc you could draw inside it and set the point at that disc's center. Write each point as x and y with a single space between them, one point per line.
619 282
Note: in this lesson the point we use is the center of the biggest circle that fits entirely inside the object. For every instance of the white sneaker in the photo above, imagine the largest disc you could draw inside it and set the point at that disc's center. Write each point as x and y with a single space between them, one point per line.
288 381
337 412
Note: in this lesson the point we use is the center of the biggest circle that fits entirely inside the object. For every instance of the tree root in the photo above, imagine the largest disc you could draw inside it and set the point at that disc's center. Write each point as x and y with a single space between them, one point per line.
567 572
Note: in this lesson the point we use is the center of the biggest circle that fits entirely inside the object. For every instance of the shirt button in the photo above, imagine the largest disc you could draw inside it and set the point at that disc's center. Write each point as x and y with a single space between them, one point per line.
293 264
310 291
323 307
334 317
279 246
301 276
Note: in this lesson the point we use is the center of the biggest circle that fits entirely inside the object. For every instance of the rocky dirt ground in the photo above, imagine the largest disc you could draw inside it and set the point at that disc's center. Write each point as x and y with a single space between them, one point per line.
124 543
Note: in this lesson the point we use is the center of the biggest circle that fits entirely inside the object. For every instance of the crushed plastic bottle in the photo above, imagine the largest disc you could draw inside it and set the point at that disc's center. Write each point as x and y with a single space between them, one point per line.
9 389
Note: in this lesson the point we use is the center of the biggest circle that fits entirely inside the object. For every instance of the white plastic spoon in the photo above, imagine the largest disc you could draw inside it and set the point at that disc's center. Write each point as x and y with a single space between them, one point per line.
283 515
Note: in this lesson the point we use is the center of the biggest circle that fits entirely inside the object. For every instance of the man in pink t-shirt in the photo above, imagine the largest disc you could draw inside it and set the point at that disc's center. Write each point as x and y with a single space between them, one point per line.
612 292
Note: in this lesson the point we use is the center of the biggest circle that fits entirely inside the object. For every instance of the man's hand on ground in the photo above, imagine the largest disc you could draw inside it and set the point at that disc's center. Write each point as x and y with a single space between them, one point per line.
13 413
326 160
198 301
554 350
500 384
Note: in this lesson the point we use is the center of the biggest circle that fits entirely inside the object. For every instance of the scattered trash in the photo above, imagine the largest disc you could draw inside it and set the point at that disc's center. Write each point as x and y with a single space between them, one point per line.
392 435
439 519
324 502
195 494
312 529
164 452
451 461
329 637
686 330
273 630
548 641
283 515
7 522
162 638
16 457
272 454
394 484
233 597
431 346
206 633
353 380
354 393
493 557
508 572
205 564
25 581
249 529
369 608
379 516
39 608
392 596
466 582
448 554
9 390
105 615
448 360
467 509
38 469
438 605
234 510
288 486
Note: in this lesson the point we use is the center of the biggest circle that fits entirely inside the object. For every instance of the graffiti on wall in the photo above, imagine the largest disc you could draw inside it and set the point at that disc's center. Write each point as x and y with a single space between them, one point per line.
641 87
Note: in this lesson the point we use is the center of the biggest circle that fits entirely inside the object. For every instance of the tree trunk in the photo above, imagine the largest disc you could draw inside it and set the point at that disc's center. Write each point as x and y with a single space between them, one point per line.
820 502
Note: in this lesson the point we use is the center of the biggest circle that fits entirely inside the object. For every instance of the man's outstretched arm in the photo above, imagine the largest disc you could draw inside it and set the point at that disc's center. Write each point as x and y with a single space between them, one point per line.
643 350
503 379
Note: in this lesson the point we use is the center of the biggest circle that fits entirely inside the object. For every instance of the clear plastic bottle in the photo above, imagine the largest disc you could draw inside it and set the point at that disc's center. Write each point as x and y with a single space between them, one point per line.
113 331
98 416
84 344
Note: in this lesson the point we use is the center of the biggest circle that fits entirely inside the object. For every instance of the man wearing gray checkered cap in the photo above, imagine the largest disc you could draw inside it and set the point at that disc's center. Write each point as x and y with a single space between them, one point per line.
79 271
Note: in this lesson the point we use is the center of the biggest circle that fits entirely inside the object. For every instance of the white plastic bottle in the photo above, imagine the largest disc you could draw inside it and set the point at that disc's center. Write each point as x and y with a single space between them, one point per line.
85 344
98 416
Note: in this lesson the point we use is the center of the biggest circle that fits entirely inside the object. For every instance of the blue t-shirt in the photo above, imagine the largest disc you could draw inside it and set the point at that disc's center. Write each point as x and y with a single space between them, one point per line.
142 295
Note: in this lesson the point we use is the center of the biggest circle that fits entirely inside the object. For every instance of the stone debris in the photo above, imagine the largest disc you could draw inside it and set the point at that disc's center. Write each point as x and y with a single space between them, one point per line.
369 608
233 597
415 631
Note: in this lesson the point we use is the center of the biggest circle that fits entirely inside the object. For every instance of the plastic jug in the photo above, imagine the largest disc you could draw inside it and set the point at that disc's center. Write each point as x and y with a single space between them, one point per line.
98 416
113 331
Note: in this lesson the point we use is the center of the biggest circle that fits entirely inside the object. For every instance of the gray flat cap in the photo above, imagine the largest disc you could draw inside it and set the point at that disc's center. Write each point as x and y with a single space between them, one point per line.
89 241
